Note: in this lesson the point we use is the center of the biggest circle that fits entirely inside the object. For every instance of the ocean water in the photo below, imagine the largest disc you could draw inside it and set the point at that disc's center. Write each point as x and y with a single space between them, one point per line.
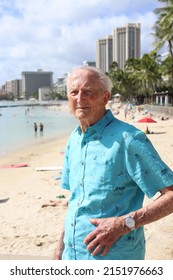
17 130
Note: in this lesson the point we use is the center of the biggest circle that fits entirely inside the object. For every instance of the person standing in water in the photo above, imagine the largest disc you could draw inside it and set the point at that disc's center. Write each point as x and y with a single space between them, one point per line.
41 128
35 127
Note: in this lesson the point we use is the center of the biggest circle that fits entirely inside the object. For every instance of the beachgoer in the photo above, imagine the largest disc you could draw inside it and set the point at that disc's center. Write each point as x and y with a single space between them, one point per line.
109 166
164 118
147 131
41 127
55 203
35 127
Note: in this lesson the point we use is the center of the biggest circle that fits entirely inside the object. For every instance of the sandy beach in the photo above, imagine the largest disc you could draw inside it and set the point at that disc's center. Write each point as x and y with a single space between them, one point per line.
30 231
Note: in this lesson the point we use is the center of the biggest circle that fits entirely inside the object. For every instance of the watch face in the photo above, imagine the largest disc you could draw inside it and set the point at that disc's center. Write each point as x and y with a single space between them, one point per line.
130 222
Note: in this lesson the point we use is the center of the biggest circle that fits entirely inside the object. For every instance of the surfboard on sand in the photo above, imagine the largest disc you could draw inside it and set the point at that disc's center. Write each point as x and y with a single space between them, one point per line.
16 165
48 168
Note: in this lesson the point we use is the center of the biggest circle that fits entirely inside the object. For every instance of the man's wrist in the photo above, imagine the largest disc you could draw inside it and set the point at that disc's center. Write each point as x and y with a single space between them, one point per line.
129 222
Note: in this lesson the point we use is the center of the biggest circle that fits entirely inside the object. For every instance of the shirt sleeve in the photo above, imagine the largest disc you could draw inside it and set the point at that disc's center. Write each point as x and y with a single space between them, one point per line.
145 166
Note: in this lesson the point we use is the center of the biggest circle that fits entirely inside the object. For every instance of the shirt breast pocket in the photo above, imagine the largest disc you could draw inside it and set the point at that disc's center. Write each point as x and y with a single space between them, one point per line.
101 174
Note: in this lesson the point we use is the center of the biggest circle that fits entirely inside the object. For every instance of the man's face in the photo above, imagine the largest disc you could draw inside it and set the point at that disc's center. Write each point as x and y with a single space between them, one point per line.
87 100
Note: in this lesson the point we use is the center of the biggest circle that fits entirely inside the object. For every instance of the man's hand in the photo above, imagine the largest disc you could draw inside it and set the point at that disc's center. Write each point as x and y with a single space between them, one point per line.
107 231
57 255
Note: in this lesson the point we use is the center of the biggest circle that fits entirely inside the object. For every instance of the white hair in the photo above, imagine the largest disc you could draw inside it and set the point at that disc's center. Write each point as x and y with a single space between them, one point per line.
105 81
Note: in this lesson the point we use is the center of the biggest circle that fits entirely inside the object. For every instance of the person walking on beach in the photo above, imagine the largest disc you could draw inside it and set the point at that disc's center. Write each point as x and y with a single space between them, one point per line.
109 166
41 128
35 127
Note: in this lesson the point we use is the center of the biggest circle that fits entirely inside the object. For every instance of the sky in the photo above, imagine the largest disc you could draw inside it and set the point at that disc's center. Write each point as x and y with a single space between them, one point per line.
58 35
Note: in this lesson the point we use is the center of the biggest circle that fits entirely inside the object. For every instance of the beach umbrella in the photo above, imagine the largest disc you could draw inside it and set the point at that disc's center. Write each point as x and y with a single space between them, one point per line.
146 120
117 95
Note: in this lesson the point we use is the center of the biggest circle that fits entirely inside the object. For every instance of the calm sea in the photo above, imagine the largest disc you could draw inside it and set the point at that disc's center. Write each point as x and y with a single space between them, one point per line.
16 125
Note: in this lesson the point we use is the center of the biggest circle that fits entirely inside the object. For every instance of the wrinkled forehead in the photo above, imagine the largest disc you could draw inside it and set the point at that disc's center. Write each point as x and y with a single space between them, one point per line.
83 78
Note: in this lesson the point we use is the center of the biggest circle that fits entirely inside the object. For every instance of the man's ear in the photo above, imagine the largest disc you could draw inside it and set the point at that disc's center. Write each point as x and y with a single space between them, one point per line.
106 97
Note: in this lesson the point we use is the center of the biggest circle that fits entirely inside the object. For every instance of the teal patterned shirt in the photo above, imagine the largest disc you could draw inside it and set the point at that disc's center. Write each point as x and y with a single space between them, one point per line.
108 170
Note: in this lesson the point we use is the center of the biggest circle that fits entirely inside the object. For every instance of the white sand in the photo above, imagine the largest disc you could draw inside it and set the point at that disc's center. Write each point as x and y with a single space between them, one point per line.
31 232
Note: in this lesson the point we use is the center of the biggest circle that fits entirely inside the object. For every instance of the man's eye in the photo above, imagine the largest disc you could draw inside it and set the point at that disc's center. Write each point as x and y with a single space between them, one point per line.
88 93
73 93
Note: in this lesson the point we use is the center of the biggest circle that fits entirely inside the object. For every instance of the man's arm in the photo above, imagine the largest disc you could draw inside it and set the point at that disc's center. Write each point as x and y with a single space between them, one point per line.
108 230
58 251
159 208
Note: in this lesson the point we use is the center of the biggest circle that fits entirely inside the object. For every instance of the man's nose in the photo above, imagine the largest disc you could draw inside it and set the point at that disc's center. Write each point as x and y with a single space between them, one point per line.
80 96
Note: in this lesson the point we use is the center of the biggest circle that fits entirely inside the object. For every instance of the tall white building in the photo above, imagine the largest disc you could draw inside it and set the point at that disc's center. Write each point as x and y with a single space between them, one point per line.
104 53
33 80
126 43
13 87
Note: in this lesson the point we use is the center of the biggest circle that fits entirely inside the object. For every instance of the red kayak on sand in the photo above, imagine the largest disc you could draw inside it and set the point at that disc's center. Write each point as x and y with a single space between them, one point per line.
16 165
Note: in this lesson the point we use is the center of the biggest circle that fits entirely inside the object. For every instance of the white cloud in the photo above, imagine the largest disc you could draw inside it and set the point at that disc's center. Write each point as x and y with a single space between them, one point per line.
56 35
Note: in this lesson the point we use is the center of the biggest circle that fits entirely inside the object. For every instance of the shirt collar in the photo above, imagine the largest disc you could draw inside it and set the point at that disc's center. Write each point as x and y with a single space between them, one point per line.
100 125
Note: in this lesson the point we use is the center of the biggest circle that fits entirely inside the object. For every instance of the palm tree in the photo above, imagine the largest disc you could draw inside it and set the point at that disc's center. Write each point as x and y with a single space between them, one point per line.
144 74
150 65
140 76
117 77
167 71
163 28
132 68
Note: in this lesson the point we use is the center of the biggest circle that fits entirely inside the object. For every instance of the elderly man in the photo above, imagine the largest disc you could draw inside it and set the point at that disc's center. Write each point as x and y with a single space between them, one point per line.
109 166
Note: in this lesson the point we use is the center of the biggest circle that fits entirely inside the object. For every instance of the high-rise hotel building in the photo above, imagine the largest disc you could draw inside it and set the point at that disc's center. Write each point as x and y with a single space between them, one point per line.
104 53
13 87
124 44
33 80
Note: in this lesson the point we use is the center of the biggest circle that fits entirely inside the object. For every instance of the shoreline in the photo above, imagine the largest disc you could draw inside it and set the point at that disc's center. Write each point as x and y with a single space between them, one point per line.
23 148
18 126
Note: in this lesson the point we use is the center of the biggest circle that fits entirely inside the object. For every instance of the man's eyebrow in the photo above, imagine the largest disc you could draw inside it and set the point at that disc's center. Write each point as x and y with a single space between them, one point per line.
84 88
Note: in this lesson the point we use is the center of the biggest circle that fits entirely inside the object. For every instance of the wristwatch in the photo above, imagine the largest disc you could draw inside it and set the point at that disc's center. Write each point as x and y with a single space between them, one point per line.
129 222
